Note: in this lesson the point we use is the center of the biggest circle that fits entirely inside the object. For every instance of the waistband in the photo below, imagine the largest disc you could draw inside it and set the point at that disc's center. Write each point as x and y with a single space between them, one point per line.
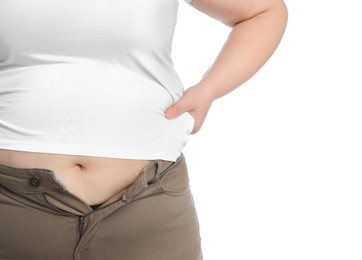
41 180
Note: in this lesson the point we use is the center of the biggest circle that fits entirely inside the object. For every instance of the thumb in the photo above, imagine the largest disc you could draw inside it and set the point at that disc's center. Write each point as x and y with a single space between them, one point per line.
175 110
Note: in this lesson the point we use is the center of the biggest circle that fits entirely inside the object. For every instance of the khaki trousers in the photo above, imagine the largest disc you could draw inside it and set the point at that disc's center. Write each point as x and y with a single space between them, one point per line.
153 219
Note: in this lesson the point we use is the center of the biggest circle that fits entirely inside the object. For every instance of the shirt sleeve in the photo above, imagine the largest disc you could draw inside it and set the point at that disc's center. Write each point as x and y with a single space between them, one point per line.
188 1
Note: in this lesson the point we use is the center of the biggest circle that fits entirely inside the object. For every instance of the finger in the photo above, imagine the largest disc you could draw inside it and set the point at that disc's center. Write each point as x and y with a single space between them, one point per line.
175 110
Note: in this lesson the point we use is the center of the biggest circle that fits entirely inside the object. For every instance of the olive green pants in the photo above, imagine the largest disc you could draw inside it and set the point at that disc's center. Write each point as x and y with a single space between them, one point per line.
153 219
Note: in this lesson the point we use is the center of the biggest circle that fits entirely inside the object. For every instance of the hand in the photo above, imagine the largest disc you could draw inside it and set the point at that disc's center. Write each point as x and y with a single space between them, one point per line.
195 100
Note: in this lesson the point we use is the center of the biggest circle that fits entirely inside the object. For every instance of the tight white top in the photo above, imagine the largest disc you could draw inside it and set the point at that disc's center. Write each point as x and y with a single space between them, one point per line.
90 77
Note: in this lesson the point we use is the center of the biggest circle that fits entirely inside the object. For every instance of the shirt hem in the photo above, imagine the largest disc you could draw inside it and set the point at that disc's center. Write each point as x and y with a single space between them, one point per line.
57 148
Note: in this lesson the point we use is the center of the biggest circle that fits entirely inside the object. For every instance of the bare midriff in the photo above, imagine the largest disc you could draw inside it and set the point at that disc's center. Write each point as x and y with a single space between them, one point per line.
92 179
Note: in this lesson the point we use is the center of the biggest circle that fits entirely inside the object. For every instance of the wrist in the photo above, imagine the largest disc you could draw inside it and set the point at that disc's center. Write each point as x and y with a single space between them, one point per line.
207 92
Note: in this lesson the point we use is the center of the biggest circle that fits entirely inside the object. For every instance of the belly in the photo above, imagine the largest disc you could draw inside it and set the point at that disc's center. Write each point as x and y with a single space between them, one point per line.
90 108
92 179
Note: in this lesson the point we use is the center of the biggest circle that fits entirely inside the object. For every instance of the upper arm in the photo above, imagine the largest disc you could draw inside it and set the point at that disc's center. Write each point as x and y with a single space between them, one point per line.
231 12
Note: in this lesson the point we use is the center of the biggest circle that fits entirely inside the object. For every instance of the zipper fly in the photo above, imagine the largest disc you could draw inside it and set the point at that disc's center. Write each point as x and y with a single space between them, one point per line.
81 224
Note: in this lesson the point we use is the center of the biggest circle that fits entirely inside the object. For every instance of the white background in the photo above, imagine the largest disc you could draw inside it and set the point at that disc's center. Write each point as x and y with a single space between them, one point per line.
276 168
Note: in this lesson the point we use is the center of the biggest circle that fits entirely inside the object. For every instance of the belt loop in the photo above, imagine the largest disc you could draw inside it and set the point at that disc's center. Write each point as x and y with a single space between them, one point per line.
156 172
148 176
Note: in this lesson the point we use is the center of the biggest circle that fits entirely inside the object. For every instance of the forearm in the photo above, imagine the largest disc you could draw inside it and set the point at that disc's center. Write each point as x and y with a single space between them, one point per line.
249 45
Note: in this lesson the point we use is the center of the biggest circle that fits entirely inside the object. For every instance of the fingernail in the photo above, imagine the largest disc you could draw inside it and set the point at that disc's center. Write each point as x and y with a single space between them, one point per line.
168 115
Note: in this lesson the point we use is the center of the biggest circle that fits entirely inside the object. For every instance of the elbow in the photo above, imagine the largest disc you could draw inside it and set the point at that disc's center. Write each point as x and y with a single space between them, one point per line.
274 9
281 15
278 10
282 9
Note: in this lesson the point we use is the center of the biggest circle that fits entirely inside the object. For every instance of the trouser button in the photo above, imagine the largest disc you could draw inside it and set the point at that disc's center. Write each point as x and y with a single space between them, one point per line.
35 182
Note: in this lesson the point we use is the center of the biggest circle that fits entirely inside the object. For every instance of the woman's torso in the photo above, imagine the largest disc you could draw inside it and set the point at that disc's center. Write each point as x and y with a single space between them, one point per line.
92 179
83 88
90 77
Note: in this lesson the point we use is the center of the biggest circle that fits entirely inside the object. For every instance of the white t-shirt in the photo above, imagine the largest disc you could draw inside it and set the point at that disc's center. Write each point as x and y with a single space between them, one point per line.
90 77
